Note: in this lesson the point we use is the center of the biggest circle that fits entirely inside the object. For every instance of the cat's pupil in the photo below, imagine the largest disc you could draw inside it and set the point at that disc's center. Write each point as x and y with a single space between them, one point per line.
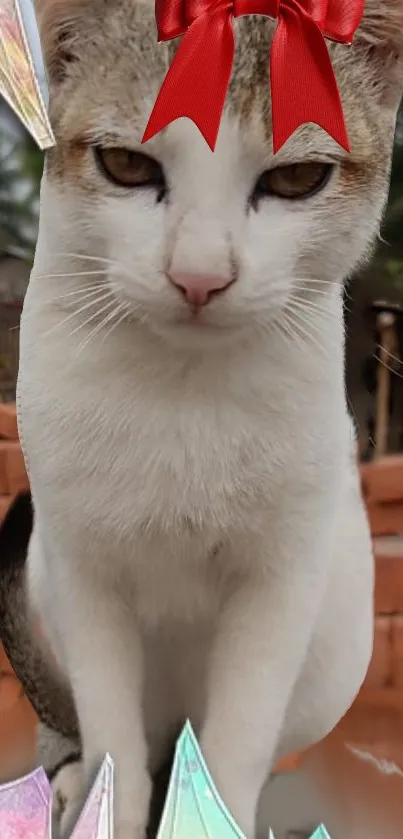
297 181
130 169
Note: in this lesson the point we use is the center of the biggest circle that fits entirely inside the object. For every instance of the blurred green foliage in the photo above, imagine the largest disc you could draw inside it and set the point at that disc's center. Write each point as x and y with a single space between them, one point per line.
21 164
384 276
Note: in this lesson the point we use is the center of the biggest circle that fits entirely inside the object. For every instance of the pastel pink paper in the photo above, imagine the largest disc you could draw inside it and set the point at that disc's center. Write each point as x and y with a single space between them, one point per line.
25 807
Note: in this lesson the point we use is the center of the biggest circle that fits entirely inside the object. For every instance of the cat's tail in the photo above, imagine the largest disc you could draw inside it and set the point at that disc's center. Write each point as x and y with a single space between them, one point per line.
44 686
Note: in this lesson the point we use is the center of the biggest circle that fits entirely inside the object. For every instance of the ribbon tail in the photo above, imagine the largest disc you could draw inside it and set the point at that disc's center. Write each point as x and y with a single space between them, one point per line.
303 84
197 81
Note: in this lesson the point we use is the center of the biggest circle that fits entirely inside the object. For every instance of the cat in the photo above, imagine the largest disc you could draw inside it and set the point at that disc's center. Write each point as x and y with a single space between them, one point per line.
200 546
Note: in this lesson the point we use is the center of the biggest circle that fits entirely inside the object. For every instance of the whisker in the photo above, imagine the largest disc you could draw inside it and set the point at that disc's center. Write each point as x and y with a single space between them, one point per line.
73 274
311 306
77 312
86 323
353 411
98 328
388 367
288 332
95 314
315 281
304 327
309 316
124 308
81 347
282 329
314 291
389 354
310 340
84 256
306 301
90 289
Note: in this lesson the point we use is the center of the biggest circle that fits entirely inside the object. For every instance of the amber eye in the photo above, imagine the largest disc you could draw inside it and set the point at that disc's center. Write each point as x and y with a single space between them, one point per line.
291 182
130 168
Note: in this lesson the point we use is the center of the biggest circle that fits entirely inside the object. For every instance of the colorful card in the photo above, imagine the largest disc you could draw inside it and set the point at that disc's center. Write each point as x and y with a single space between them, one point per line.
193 807
23 81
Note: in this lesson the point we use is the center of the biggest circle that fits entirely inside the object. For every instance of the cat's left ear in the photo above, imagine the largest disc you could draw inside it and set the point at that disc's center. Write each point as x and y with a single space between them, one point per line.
62 28
381 36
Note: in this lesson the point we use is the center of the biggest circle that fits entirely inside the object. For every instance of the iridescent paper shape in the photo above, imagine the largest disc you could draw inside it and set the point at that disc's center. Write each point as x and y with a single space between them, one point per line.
25 808
193 807
23 81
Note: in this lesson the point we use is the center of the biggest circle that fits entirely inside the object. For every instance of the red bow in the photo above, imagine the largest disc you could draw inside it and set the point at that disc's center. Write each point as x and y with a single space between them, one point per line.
303 85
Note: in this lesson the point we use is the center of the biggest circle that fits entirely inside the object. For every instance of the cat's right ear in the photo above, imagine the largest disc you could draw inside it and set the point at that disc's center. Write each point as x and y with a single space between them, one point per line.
60 22
381 35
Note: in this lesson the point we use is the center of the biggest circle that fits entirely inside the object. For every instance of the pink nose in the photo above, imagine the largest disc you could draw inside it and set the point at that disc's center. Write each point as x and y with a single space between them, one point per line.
198 288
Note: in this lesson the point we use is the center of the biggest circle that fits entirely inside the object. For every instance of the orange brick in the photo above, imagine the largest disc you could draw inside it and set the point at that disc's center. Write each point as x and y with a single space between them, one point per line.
13 476
17 724
376 716
389 584
380 671
17 739
8 422
364 469
10 688
3 468
17 475
385 519
4 663
397 650
384 479
10 691
5 501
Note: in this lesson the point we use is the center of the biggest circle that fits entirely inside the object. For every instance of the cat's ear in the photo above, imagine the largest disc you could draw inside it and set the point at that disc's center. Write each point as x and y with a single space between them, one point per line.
60 23
381 35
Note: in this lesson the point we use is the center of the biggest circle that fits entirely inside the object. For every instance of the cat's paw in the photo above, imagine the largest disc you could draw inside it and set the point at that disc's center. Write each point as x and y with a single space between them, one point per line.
67 792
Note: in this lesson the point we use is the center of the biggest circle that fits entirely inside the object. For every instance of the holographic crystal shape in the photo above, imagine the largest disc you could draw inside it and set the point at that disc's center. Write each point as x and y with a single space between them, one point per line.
193 807
22 73
96 819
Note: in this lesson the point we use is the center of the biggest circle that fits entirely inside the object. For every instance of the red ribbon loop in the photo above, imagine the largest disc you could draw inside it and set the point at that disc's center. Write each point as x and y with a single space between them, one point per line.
303 84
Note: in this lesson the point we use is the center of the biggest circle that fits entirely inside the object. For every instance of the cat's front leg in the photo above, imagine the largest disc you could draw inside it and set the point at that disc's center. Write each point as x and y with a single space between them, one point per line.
103 655
262 640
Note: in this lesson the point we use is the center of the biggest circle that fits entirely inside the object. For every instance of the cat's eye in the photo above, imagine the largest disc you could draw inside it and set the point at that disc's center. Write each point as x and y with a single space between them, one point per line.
300 180
131 169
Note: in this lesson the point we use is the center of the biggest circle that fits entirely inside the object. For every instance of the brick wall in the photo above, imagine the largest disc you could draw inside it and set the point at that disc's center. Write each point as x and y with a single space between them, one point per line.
13 477
386 670
382 484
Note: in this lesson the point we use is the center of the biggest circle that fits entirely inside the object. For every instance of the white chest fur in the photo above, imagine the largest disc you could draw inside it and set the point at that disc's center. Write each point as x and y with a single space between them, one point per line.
180 455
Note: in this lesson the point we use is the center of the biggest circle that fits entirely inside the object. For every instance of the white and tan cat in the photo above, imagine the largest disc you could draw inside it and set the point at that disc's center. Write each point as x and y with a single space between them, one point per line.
200 546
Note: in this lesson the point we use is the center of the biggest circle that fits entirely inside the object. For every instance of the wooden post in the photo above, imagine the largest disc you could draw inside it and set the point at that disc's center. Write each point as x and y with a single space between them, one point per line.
386 327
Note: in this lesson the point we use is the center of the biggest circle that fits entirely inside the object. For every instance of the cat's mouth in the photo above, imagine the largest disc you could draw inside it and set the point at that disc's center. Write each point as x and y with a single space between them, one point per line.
201 328
200 318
